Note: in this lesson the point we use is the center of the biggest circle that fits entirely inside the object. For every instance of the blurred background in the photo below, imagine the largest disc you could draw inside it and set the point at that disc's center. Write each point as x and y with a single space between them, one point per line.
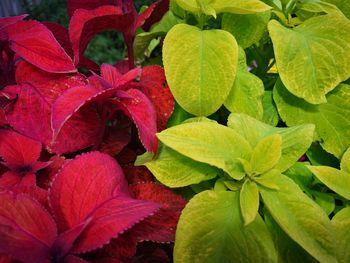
107 47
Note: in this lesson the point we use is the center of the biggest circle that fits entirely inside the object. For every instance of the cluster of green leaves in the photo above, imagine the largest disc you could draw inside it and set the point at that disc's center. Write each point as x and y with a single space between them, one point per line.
259 139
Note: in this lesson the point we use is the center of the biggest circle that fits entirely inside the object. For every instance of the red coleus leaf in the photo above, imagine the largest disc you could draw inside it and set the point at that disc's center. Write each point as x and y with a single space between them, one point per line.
160 227
82 184
6 21
117 79
153 84
159 8
142 112
36 44
73 5
21 234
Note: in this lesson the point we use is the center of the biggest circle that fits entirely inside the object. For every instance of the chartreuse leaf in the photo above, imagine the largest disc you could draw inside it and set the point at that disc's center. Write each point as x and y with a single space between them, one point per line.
211 230
247 29
343 5
306 66
270 115
246 95
220 6
345 161
208 142
338 181
268 179
331 118
302 219
341 223
266 153
288 251
176 170
249 201
295 140
200 67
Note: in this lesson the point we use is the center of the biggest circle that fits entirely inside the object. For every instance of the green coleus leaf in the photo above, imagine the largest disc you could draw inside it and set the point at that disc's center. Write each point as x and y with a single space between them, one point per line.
331 118
221 6
301 218
295 140
176 170
142 42
200 67
343 5
208 142
246 95
341 223
166 23
324 200
211 229
306 66
270 115
288 251
268 179
247 29
266 153
345 162
249 201
338 181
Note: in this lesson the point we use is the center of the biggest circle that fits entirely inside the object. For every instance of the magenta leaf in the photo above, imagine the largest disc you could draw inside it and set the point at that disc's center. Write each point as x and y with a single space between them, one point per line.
159 9
21 236
83 184
73 5
6 21
36 44
142 112
117 79
112 218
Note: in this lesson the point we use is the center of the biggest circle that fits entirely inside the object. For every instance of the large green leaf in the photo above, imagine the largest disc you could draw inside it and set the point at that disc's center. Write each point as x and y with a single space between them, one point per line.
213 7
338 181
343 5
200 67
331 119
301 218
208 142
312 59
270 115
247 29
246 95
211 230
295 140
345 161
176 170
341 223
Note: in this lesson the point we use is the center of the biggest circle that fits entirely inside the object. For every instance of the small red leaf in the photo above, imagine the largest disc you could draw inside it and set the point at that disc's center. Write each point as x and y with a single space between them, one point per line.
83 184
20 234
36 44
153 84
115 78
111 219
160 227
142 112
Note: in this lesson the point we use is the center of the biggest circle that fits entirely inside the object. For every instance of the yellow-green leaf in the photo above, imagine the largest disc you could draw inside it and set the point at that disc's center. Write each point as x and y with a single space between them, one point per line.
249 201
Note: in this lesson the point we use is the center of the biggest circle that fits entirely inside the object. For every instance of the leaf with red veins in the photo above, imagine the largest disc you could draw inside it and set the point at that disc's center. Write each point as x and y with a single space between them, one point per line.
137 174
85 24
20 234
83 184
116 79
112 218
6 21
159 9
62 36
73 5
30 113
9 179
20 153
160 227
141 111
45 176
50 85
37 45
35 192
122 66
153 84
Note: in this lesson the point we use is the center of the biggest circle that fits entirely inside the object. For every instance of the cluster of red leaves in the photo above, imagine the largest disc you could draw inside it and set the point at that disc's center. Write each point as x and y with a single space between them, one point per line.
63 197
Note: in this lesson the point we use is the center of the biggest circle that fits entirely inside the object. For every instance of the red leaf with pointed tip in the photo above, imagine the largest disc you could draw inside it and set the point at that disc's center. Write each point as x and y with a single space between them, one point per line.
9 179
73 5
82 184
142 112
18 151
36 44
34 120
159 9
110 219
35 192
6 21
160 227
85 24
153 84
115 78
20 234
62 36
